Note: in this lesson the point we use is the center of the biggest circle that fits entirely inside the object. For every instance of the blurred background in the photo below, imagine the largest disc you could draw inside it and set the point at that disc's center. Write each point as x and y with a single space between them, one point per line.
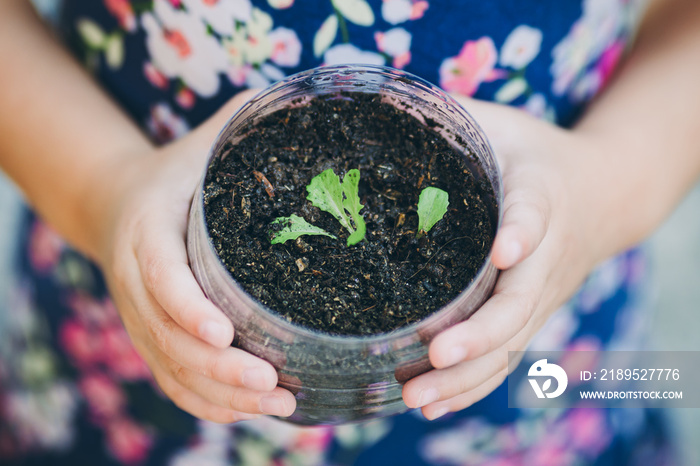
675 255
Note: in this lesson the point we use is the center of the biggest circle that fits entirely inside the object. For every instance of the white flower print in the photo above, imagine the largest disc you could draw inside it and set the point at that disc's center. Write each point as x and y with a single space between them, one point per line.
180 47
286 47
347 53
258 46
43 417
521 47
325 35
221 15
235 47
355 11
280 4
394 42
399 11
211 450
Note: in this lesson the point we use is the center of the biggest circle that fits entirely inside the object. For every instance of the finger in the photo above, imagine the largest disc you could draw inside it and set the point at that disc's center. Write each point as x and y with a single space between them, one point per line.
505 314
195 404
443 384
278 402
163 265
231 366
157 330
459 402
525 222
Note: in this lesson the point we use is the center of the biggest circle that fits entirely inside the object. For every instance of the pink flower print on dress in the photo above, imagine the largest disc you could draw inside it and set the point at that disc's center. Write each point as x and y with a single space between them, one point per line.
93 312
124 13
587 430
503 461
548 453
105 398
155 77
178 42
474 64
609 60
120 356
83 345
316 439
128 441
185 98
45 247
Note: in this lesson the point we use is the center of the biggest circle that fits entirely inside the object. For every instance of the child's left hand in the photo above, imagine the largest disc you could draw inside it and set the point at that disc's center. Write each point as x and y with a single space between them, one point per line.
546 246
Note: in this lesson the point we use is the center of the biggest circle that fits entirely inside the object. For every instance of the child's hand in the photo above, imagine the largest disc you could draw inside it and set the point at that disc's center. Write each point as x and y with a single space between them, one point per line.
546 247
182 336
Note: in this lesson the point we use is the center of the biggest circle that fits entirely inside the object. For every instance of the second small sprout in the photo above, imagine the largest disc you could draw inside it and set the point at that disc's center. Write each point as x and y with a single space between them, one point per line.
432 206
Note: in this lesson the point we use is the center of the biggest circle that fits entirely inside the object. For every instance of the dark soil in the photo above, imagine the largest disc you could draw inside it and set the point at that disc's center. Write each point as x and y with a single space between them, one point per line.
390 279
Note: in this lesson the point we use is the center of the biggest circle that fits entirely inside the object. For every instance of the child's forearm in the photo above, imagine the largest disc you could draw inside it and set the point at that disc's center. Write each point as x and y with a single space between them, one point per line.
60 135
648 123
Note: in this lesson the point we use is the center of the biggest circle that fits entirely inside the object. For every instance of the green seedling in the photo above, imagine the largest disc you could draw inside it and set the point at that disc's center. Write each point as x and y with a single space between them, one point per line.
432 206
327 193
292 228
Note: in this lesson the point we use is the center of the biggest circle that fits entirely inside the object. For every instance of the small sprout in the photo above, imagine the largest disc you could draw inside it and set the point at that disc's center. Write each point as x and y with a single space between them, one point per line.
432 206
292 228
326 193
351 182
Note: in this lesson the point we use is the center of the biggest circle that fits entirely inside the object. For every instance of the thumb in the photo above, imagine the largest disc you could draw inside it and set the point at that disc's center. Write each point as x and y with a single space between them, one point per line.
525 223
526 206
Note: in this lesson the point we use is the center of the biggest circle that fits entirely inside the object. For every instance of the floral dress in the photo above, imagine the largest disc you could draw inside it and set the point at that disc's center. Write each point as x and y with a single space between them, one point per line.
72 388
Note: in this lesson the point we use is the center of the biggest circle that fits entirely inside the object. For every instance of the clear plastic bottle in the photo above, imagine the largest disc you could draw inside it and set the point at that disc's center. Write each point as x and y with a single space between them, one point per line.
341 379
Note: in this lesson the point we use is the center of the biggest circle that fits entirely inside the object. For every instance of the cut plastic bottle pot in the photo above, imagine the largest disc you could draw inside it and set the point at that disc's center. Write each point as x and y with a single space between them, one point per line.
321 370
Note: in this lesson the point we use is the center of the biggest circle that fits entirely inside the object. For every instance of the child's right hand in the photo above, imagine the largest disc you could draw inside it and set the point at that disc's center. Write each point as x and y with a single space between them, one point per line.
182 336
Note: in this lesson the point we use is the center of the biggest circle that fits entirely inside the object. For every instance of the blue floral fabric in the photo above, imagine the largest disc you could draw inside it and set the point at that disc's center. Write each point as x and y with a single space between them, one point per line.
74 391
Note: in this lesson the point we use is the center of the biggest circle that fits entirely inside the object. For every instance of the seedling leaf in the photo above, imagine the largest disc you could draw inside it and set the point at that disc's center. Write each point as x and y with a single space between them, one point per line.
294 227
351 203
326 193
432 206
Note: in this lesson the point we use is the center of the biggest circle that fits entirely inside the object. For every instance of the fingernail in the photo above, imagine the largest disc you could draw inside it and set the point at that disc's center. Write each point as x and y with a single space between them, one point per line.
273 405
212 332
256 378
427 396
456 355
438 413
